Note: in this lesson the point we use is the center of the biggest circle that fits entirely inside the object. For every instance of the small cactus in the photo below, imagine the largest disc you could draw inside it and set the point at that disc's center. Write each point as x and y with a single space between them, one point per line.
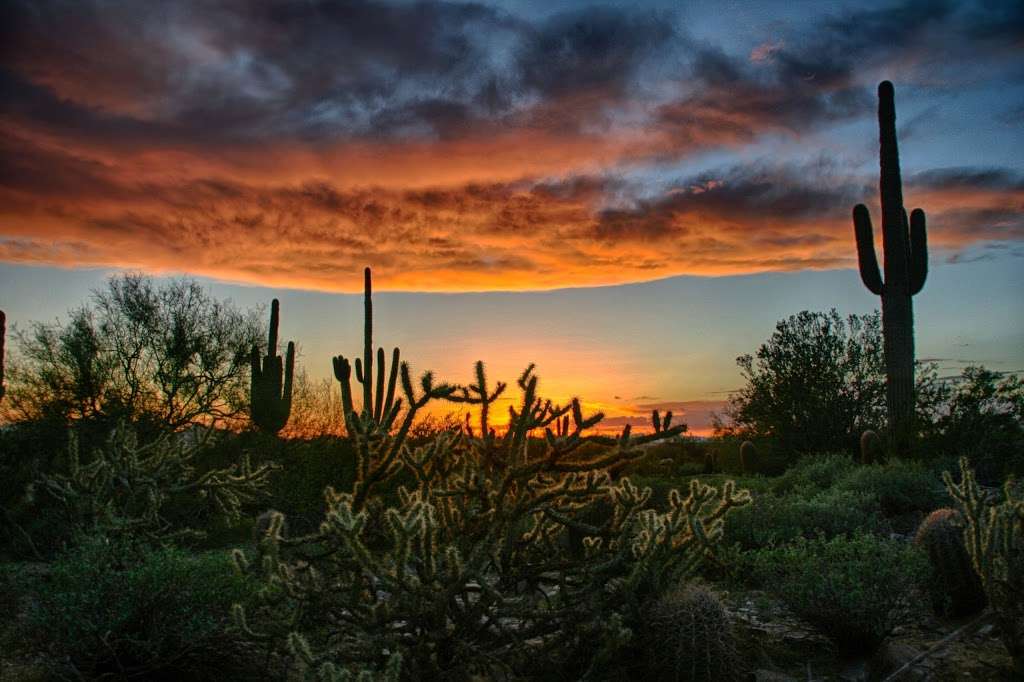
3 330
748 456
270 397
955 589
870 448
691 638
709 463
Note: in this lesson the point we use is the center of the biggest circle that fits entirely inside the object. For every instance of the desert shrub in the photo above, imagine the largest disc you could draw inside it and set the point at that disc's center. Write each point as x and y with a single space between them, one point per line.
852 589
774 520
900 486
113 609
813 473
690 636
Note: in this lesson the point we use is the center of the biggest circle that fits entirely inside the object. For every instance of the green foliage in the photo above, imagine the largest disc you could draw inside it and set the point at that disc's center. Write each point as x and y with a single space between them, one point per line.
852 589
900 487
472 559
813 473
984 421
271 384
774 520
906 267
994 537
115 610
126 488
813 386
689 636
167 355
954 585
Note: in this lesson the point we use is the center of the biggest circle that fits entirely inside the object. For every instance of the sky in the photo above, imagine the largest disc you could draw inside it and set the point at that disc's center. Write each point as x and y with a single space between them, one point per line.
628 194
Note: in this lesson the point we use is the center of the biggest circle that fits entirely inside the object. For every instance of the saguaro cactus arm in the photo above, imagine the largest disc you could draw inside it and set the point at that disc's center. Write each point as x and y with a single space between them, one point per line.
866 258
918 251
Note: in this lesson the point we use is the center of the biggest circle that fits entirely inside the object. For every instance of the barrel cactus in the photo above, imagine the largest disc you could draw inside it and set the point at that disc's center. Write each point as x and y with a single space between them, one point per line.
870 448
271 396
905 248
955 588
748 457
691 638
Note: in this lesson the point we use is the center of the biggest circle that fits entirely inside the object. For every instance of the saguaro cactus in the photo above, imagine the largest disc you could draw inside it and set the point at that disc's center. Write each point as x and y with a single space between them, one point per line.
3 331
272 401
906 267
379 407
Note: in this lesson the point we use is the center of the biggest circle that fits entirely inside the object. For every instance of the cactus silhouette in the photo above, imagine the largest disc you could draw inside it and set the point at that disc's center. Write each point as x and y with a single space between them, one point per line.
270 397
3 331
379 408
905 250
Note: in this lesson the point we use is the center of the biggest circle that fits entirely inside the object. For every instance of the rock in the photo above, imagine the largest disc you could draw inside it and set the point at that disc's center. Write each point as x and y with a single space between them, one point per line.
892 656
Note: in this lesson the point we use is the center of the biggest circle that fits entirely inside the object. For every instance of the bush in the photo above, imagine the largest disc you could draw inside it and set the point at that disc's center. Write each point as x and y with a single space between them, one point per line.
852 589
900 487
773 520
813 473
116 609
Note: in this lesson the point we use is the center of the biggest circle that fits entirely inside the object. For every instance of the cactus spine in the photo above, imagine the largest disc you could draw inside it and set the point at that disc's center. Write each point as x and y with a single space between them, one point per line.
905 251
271 398
3 331
956 588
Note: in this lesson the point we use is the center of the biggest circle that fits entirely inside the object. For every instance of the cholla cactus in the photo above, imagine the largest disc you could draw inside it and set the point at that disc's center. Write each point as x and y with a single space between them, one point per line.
994 537
271 398
125 487
471 560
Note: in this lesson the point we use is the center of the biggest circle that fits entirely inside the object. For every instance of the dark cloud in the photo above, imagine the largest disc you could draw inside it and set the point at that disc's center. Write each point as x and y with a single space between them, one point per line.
968 178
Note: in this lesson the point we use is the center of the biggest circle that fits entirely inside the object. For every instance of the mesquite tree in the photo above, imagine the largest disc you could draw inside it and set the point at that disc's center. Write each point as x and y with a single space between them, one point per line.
905 250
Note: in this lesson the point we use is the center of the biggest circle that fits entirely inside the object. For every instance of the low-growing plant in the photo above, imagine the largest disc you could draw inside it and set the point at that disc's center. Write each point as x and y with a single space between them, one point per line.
900 487
853 589
113 609
813 473
774 520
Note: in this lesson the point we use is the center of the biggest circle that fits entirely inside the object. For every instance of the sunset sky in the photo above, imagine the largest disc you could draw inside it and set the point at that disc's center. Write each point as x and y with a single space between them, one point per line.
629 194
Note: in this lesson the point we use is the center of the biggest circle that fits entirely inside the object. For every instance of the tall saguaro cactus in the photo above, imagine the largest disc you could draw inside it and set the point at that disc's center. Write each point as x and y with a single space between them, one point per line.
379 407
271 398
3 331
905 250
